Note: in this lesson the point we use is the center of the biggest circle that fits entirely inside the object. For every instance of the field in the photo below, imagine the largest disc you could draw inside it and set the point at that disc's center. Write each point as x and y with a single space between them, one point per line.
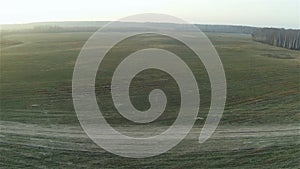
39 127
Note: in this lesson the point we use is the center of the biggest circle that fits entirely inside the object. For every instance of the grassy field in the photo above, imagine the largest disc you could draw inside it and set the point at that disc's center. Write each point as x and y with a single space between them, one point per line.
39 128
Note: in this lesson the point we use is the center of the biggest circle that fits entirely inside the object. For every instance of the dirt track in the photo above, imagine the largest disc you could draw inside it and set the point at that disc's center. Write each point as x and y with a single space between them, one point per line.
74 139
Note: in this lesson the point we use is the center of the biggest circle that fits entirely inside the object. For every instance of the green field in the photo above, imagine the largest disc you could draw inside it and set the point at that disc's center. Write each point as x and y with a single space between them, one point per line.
39 127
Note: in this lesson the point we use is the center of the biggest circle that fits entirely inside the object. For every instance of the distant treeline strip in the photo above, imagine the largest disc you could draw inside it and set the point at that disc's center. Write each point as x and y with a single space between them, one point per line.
278 37
227 29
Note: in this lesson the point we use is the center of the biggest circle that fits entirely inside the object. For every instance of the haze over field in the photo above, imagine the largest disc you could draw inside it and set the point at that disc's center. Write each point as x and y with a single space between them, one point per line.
260 13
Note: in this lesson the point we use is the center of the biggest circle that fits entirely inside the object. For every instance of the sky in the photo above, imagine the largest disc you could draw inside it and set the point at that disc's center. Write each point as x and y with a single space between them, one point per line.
261 13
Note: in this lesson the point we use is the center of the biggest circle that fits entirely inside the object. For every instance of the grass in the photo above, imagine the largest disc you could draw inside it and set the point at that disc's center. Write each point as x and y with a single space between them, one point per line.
39 128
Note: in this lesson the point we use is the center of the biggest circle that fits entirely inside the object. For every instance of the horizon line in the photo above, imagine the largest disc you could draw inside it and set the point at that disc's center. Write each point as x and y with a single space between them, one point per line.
212 24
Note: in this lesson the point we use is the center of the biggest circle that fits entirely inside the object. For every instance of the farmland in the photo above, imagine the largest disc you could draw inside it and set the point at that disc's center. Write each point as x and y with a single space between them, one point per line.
39 127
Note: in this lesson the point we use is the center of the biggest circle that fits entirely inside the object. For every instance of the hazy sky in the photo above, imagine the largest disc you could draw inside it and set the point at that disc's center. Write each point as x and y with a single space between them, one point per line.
270 13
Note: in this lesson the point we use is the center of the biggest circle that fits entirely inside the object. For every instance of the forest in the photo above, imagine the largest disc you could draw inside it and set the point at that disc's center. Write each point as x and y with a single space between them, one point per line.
278 37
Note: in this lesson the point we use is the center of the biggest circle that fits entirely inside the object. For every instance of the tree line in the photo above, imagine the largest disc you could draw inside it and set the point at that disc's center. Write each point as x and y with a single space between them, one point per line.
278 37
